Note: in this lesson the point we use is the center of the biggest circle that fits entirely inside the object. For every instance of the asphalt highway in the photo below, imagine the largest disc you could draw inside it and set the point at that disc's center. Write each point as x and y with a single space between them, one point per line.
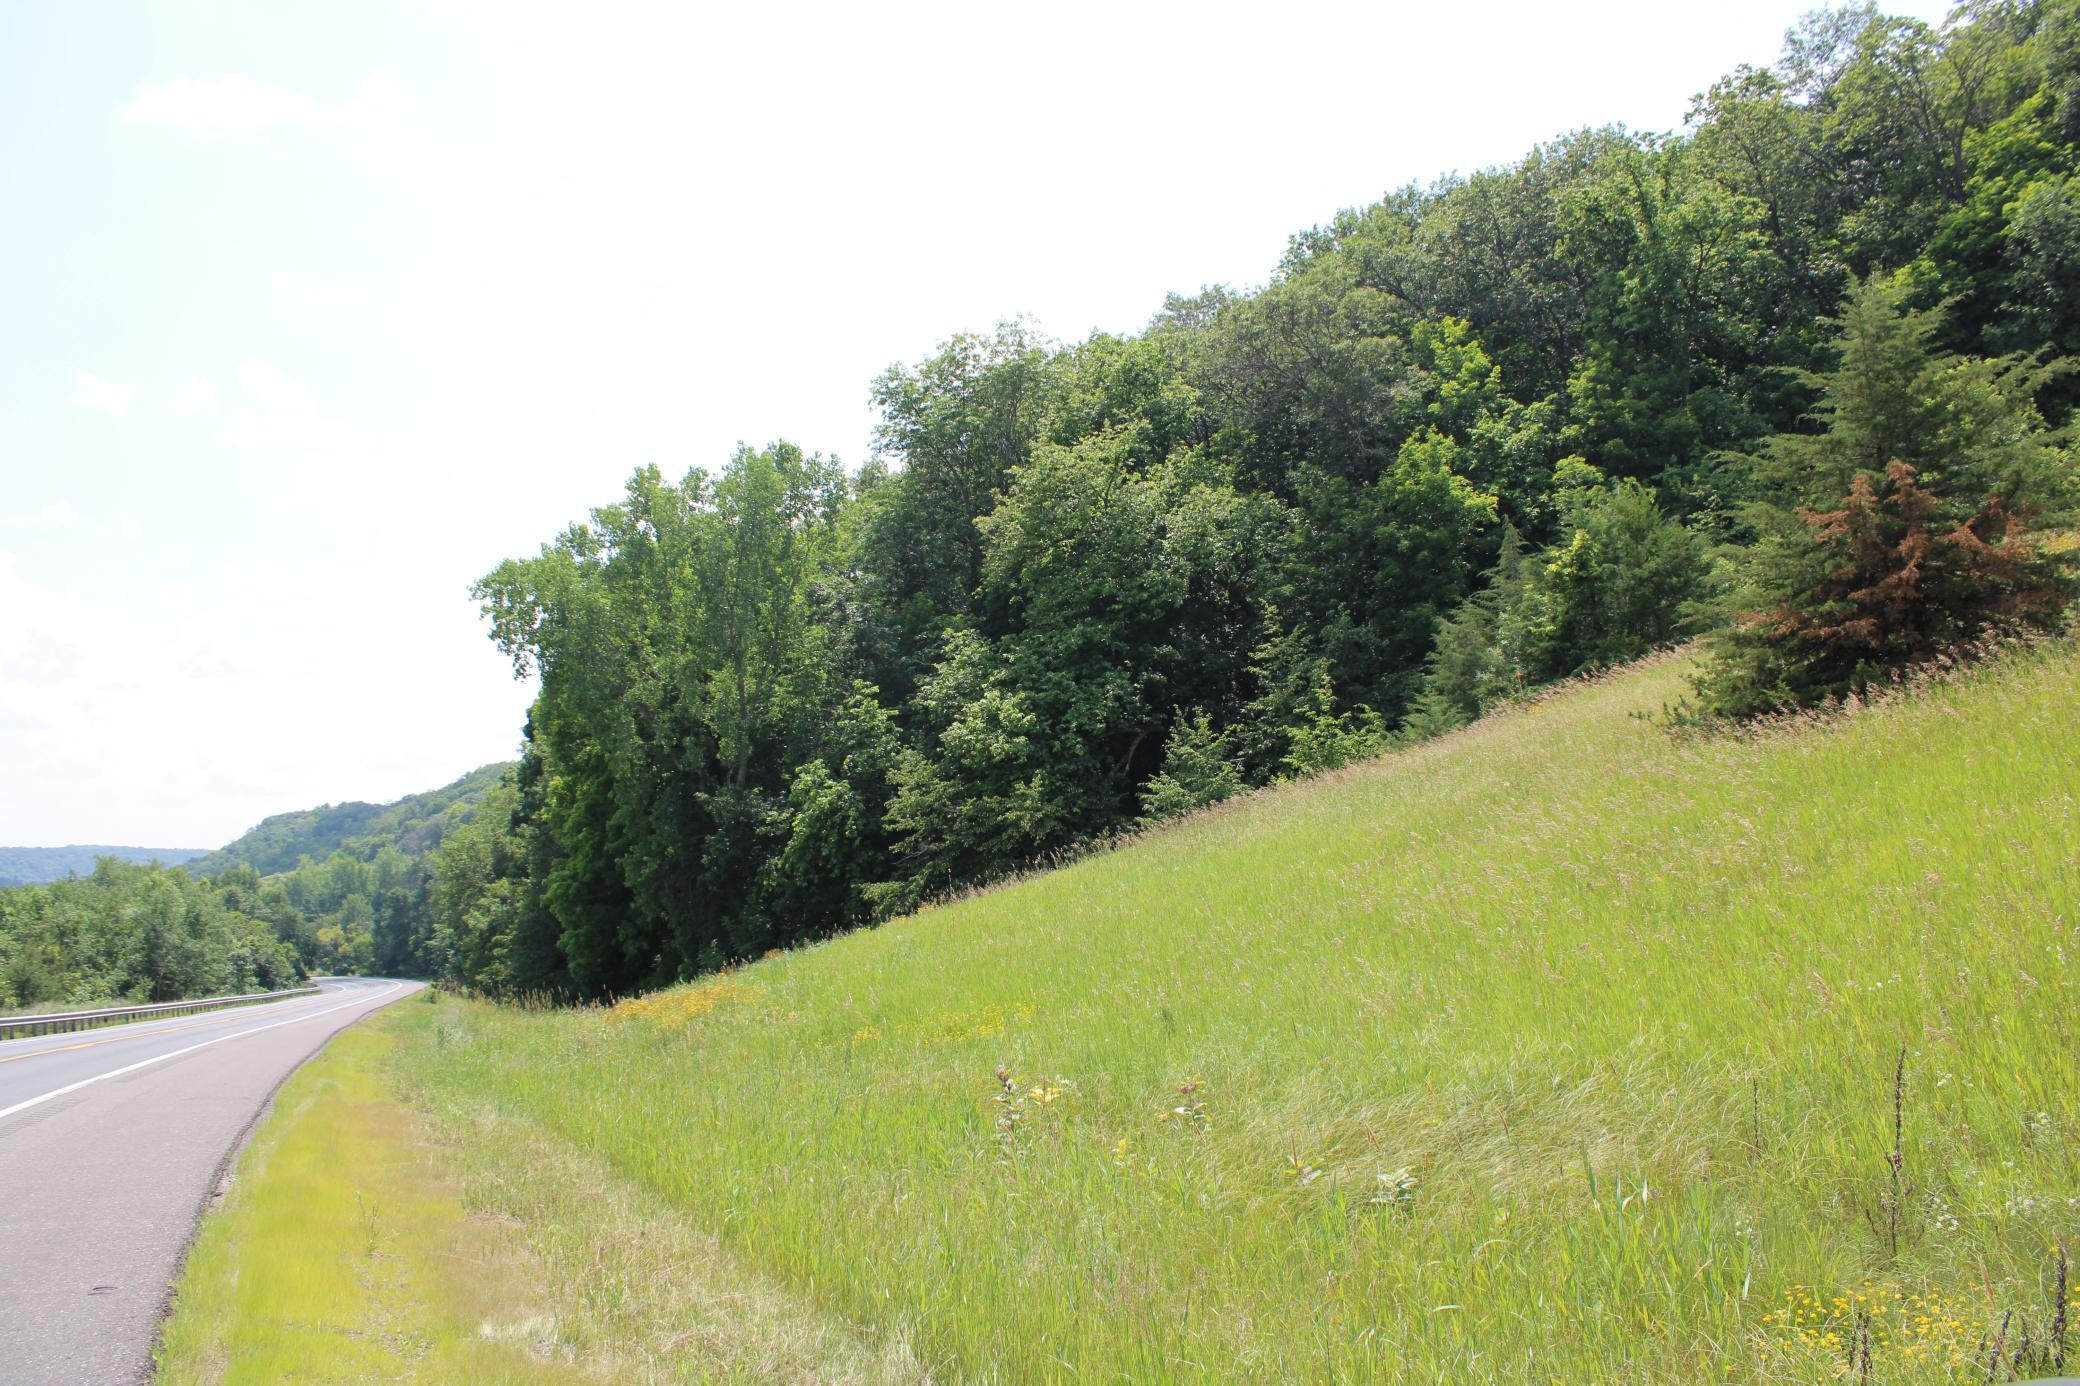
112 1142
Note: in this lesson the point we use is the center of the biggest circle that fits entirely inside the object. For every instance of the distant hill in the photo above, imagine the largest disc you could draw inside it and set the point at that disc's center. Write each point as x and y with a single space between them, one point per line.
414 825
36 865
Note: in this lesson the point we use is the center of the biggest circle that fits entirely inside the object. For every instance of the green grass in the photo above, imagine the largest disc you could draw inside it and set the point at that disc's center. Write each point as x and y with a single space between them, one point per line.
343 1253
1559 1049
370 1238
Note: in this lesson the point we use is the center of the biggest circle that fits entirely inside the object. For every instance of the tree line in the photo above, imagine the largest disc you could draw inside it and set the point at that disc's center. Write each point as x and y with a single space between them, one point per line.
134 933
1794 377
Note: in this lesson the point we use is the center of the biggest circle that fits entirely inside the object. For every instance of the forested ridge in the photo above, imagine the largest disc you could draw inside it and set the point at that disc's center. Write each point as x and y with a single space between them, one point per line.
36 865
1793 376
410 825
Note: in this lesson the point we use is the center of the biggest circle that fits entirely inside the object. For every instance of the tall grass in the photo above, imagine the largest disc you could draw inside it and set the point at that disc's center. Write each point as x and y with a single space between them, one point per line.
1559 1049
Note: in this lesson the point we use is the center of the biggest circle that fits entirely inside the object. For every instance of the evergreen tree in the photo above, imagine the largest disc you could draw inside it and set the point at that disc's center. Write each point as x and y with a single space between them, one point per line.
1198 770
1908 526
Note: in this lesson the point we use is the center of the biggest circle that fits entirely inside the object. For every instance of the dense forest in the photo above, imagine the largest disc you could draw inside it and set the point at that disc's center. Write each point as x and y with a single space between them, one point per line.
1793 378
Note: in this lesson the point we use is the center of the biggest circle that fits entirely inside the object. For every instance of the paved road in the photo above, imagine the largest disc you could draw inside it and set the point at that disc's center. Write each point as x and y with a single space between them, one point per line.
111 1142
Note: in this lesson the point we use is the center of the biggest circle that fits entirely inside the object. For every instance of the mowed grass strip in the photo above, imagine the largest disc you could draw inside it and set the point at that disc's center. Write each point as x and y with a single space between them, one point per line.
343 1253
369 1239
1560 1049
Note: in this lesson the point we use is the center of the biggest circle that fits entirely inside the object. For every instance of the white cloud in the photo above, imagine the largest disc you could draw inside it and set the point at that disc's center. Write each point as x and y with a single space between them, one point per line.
196 396
214 107
105 395
273 388
59 515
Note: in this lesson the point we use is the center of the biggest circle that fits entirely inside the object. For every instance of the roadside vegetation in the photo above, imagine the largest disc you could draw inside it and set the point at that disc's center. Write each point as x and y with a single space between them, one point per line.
1559 1048
342 1252
1548 884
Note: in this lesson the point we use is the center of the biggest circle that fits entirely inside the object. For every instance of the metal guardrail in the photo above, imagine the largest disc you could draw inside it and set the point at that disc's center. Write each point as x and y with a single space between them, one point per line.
59 1022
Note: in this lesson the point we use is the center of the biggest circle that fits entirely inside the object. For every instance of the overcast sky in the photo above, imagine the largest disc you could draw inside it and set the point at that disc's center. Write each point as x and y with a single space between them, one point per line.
309 315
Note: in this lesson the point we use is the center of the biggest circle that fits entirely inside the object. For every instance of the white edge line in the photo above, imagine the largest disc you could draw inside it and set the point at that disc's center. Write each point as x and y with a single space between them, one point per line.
38 1101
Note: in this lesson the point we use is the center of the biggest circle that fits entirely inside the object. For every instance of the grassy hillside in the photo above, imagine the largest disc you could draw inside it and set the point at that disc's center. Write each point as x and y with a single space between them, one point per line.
37 865
1558 1049
413 824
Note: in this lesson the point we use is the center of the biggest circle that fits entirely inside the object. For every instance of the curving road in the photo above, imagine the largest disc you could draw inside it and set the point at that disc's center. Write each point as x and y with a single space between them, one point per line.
111 1143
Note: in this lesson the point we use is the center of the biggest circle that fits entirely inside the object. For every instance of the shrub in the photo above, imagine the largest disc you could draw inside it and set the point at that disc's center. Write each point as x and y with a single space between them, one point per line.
1622 579
1620 584
1197 770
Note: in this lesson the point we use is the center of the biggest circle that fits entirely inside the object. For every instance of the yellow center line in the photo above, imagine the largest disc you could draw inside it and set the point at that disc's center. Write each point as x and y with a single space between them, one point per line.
134 1033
